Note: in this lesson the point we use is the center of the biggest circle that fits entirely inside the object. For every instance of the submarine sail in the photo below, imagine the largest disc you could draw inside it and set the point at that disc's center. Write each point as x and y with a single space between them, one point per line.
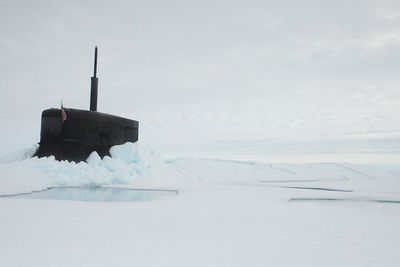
75 134
93 85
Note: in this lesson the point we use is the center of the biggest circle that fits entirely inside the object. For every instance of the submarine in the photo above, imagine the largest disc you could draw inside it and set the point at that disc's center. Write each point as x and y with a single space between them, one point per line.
73 134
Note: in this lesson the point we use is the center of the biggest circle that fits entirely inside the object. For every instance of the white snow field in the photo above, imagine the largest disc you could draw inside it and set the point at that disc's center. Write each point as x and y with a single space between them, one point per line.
226 213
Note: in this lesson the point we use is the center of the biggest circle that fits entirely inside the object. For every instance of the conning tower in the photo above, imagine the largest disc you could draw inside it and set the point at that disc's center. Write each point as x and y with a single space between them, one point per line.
72 134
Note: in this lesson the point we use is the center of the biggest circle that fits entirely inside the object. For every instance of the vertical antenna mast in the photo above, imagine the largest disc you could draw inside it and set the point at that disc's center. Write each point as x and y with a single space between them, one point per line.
93 85
95 62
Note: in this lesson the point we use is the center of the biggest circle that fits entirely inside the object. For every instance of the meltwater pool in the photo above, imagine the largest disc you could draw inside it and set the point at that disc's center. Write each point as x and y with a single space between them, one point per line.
96 194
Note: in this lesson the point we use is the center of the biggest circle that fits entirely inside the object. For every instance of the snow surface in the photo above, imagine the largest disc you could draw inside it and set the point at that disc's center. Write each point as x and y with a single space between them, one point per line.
227 213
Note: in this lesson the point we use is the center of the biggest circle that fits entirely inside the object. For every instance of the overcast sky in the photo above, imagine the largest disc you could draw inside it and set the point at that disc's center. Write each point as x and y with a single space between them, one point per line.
207 70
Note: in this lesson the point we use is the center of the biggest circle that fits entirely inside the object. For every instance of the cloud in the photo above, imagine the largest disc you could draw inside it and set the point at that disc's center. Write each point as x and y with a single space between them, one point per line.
209 65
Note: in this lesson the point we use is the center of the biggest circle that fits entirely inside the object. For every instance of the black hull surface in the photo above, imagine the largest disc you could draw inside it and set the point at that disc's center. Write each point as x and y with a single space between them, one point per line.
82 133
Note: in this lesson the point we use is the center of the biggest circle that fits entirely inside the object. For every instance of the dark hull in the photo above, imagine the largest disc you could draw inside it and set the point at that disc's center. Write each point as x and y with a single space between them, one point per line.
82 133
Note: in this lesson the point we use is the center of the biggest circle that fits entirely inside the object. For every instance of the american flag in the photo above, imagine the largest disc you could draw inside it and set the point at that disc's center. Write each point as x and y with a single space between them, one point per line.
63 114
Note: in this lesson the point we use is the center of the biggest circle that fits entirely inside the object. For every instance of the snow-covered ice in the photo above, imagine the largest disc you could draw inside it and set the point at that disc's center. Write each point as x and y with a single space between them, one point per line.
227 213
127 165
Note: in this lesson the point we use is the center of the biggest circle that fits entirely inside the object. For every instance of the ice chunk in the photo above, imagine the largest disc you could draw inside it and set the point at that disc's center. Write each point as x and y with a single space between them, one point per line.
94 159
127 152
